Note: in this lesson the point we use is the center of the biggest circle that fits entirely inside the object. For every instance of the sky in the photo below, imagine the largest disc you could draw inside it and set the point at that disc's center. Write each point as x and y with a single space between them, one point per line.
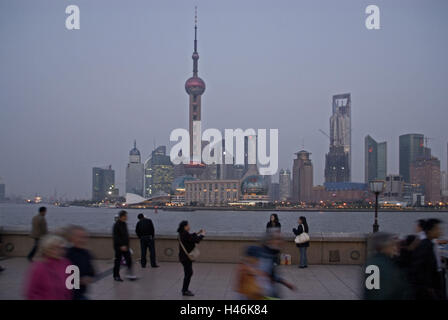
74 99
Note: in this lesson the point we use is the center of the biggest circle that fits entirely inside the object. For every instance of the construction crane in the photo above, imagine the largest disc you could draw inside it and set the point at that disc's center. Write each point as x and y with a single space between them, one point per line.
324 133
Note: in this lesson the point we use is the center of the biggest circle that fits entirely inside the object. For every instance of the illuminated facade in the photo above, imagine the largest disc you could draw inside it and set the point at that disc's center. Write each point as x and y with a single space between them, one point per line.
103 184
284 184
211 192
338 159
159 172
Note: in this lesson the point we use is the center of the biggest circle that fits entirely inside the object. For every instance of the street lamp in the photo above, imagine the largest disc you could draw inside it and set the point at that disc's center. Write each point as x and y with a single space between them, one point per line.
376 186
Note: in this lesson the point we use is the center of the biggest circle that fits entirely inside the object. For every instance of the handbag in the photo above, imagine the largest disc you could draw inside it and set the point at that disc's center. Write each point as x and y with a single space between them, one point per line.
303 237
193 255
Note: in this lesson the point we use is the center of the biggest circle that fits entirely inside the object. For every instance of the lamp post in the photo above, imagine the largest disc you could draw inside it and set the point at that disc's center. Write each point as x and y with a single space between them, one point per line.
376 186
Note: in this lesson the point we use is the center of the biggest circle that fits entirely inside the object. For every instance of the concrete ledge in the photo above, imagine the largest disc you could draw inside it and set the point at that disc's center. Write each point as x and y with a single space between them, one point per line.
325 248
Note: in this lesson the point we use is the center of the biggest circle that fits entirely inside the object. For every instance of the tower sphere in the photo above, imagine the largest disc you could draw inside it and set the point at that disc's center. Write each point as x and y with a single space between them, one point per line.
195 86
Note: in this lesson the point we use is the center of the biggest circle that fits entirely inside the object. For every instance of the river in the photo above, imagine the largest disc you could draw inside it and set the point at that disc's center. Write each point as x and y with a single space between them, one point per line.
216 222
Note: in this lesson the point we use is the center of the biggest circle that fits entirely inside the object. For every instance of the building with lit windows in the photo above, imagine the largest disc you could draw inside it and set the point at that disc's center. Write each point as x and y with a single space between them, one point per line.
211 192
338 159
159 173
103 184
284 180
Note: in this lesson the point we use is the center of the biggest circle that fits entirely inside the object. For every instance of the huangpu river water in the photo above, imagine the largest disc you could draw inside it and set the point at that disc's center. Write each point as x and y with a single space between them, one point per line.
215 222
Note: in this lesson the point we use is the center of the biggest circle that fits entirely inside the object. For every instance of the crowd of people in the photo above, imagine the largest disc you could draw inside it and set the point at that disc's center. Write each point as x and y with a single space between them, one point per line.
46 279
409 268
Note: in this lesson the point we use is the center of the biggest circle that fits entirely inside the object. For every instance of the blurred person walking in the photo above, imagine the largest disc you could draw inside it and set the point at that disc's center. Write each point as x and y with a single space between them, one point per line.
274 223
257 275
426 269
302 241
188 252
38 230
393 284
80 257
419 228
121 246
145 232
47 278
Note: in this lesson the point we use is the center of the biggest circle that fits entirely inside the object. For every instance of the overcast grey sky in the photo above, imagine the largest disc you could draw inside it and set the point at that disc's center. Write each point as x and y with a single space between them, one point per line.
71 100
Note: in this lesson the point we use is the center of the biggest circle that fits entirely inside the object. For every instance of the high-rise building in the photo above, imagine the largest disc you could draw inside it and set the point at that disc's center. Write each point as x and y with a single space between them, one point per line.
375 158
195 87
274 191
337 165
425 171
338 160
159 172
302 177
394 187
284 180
134 172
411 148
444 183
103 184
2 191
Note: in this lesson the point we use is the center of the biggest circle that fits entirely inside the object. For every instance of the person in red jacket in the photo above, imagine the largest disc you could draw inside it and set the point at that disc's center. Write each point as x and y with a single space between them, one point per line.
47 277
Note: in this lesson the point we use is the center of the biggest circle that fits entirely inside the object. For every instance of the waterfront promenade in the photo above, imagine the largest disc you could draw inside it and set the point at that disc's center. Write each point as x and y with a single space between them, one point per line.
210 281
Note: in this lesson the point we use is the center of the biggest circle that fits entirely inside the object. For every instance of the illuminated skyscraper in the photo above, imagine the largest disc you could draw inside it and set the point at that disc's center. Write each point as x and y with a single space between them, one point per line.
284 181
338 160
158 173
134 172
103 184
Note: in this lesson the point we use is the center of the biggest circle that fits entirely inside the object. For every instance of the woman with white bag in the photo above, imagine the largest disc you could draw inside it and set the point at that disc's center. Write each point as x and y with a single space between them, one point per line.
302 241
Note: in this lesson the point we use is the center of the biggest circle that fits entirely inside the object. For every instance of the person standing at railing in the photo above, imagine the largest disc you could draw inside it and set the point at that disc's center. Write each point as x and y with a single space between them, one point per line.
145 232
302 231
38 230
121 246
274 223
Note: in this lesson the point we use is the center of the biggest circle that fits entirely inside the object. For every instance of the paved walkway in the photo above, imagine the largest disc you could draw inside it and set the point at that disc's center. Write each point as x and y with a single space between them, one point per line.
210 281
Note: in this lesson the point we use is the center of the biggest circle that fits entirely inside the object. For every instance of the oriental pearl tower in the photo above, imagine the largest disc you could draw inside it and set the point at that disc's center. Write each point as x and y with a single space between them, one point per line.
195 87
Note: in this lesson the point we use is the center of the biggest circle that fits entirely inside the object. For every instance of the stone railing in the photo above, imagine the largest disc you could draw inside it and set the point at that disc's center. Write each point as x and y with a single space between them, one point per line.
325 248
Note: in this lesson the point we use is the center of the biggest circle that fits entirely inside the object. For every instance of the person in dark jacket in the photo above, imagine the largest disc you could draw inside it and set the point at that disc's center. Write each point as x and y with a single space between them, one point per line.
303 227
187 242
274 223
145 232
121 246
80 257
426 270
392 281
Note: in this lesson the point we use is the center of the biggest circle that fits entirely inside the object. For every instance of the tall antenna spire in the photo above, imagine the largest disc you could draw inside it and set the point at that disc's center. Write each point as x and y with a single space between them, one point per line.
195 28
195 53
135 143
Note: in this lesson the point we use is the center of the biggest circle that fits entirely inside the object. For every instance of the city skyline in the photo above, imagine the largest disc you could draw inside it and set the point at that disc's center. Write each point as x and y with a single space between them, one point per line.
53 141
